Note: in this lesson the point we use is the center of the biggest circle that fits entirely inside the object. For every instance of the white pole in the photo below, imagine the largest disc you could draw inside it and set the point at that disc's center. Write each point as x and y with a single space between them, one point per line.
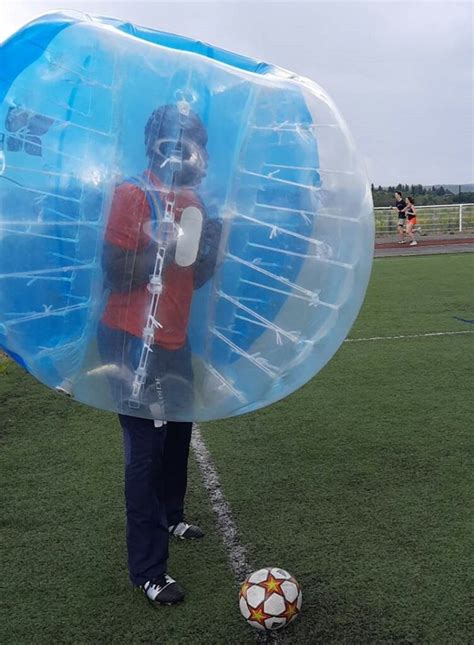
460 218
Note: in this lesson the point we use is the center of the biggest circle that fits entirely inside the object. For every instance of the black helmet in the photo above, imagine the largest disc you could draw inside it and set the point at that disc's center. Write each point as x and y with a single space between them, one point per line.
165 123
161 134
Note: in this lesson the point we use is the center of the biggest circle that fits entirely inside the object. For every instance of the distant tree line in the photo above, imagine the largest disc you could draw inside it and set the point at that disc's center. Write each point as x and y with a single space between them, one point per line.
424 195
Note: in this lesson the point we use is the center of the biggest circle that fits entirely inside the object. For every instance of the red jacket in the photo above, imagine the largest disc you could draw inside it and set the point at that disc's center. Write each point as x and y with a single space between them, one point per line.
128 226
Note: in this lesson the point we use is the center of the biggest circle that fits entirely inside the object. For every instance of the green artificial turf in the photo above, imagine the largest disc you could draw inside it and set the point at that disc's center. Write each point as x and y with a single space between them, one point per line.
63 566
360 484
416 295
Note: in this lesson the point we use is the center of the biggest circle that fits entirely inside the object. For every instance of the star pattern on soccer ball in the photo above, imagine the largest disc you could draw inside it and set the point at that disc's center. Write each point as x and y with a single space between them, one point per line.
259 615
291 610
244 588
272 585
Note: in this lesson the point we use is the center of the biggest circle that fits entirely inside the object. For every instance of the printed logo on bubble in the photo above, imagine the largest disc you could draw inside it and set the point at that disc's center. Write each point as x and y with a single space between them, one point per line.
28 128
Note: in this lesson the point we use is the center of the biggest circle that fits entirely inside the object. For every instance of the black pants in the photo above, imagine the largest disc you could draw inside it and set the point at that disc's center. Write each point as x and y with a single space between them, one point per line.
156 467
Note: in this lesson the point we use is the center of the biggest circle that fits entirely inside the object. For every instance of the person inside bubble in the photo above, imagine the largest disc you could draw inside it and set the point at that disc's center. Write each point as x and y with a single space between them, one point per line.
160 245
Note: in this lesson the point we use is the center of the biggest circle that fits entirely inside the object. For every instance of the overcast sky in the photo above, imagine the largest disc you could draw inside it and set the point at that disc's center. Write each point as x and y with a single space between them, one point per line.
401 73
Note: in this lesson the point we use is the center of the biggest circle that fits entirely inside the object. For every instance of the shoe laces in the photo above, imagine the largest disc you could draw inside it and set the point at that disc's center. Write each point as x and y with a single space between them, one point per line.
158 583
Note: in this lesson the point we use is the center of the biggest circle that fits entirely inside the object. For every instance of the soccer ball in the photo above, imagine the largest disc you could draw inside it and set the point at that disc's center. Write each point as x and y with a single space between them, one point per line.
270 599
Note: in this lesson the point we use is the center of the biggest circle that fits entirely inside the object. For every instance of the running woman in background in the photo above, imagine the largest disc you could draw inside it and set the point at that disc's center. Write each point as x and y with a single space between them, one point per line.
410 212
400 205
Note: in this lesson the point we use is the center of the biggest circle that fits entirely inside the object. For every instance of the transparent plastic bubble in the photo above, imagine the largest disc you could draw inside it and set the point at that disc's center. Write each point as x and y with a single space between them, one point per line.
185 233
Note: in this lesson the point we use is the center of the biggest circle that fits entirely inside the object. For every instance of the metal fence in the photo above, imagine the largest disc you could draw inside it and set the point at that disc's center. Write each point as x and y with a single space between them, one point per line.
445 218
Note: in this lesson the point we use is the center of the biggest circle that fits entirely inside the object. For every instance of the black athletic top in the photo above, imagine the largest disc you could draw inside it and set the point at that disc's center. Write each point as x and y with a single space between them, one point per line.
401 205
411 213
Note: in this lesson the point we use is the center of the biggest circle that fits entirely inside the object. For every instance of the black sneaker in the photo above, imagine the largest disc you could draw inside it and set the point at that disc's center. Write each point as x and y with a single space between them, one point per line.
185 531
163 590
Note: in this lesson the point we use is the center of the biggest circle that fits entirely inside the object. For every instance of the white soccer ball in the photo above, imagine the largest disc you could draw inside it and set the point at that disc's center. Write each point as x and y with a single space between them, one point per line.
270 599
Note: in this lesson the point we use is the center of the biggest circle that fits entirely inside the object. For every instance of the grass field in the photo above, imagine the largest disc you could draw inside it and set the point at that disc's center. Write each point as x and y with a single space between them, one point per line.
360 484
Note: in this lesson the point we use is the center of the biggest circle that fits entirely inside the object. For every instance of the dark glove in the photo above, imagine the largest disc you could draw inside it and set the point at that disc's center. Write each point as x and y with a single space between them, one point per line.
207 254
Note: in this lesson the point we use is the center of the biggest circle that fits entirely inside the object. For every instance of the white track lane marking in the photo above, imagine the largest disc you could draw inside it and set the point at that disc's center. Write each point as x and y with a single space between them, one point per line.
435 333
236 552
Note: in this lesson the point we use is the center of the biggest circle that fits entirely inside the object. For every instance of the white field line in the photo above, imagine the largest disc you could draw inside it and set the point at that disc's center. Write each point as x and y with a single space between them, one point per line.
226 526
236 552
434 333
